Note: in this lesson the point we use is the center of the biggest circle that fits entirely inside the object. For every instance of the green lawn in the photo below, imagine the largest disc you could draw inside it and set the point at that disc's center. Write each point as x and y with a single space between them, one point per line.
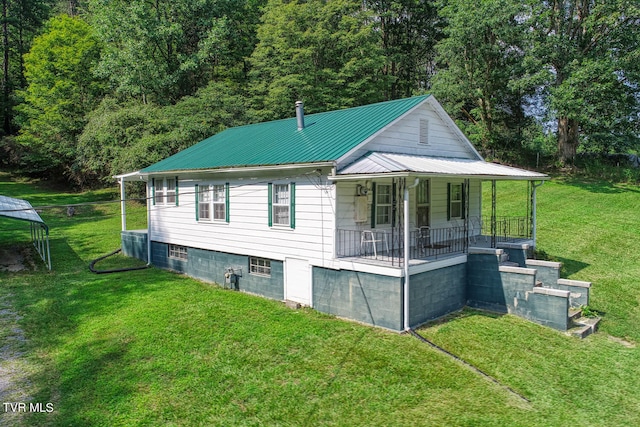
151 347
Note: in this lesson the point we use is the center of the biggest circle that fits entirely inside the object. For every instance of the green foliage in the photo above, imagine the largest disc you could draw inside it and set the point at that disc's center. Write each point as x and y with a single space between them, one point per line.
153 347
585 56
326 54
120 138
161 51
61 90
480 55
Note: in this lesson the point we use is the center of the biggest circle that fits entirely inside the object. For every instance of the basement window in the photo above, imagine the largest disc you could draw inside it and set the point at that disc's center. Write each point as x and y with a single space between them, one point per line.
260 266
178 252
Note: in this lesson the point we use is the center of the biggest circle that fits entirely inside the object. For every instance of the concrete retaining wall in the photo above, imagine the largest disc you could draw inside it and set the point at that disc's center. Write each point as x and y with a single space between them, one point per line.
134 244
210 266
436 293
548 271
365 297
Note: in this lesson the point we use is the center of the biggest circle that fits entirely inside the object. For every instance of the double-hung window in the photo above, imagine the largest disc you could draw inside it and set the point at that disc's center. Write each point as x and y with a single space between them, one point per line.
282 204
455 200
383 204
171 191
204 203
158 191
219 202
422 203
212 202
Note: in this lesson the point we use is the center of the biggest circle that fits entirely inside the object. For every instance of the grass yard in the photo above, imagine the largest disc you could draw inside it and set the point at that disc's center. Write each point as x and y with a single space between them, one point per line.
153 348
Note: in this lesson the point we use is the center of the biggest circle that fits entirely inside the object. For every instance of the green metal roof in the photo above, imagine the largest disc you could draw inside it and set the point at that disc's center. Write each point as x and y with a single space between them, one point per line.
326 137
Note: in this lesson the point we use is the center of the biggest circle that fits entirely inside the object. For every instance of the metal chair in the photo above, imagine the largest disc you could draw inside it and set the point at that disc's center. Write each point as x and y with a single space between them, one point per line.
369 236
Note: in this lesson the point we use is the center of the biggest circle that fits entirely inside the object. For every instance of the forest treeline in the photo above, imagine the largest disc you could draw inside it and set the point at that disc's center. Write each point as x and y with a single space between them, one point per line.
92 88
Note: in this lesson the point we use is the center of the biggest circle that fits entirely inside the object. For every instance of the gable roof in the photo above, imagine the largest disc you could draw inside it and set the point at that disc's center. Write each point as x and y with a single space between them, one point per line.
326 138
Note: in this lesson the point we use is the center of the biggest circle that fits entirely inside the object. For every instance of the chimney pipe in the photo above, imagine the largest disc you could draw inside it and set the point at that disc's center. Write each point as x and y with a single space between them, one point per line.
300 114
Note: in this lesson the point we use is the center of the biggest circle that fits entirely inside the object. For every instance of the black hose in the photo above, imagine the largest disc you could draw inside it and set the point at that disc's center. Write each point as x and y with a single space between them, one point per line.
116 270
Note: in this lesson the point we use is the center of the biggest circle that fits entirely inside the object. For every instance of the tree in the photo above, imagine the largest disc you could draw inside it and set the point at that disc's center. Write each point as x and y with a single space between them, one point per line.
409 31
61 89
479 57
120 137
163 50
584 55
324 53
21 19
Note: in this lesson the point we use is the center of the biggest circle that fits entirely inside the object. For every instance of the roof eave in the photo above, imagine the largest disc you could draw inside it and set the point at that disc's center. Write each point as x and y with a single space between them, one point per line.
396 174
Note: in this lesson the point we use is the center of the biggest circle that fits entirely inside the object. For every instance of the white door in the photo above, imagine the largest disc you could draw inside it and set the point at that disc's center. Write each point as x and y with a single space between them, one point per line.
297 276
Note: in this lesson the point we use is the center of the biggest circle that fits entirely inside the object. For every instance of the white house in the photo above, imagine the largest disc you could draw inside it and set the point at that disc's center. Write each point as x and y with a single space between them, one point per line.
371 213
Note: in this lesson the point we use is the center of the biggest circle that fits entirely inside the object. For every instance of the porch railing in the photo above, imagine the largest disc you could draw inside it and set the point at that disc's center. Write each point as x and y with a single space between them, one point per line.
508 228
388 245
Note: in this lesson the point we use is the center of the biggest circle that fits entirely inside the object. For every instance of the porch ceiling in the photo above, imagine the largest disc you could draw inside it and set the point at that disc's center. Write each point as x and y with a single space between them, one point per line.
378 163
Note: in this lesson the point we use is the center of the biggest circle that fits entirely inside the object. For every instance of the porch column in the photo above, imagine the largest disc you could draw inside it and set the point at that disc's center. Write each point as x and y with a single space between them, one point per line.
493 214
123 206
534 213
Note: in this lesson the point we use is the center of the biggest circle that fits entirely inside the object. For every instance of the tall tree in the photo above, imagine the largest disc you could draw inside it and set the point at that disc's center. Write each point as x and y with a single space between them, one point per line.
481 54
163 50
325 53
20 21
61 89
584 54
409 31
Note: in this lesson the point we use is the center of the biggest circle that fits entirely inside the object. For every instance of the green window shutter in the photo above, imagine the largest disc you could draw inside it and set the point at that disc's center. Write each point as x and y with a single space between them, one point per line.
462 208
226 202
197 207
176 191
448 201
153 191
292 205
270 203
373 205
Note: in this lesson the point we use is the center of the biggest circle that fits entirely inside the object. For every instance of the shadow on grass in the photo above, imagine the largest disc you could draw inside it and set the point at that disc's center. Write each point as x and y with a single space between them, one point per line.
602 187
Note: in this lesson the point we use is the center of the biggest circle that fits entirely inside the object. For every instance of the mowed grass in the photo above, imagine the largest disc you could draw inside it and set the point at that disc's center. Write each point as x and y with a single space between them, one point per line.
151 347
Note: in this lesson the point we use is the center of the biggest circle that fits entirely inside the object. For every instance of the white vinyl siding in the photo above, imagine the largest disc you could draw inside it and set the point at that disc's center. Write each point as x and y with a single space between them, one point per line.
248 232
407 136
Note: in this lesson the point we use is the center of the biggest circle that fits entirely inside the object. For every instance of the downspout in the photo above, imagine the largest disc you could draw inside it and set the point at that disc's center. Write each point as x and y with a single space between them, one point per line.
148 226
534 214
407 248
123 208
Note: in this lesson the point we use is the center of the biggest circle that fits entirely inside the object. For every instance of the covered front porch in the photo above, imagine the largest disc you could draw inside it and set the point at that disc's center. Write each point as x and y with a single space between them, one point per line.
399 209
426 244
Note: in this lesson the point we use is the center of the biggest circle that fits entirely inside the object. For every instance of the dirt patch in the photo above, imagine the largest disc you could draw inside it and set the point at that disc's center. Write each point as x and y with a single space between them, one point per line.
621 341
16 258
14 368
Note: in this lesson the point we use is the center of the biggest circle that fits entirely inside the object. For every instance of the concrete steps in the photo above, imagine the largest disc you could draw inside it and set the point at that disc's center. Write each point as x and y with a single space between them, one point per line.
581 326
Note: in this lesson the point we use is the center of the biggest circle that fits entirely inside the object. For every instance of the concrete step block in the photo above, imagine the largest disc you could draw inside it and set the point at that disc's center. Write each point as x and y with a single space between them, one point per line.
574 314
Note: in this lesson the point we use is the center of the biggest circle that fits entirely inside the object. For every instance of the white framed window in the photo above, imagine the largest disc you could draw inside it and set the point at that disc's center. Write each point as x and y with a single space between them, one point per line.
455 201
219 202
158 191
281 204
178 252
260 266
423 205
170 186
204 203
383 204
